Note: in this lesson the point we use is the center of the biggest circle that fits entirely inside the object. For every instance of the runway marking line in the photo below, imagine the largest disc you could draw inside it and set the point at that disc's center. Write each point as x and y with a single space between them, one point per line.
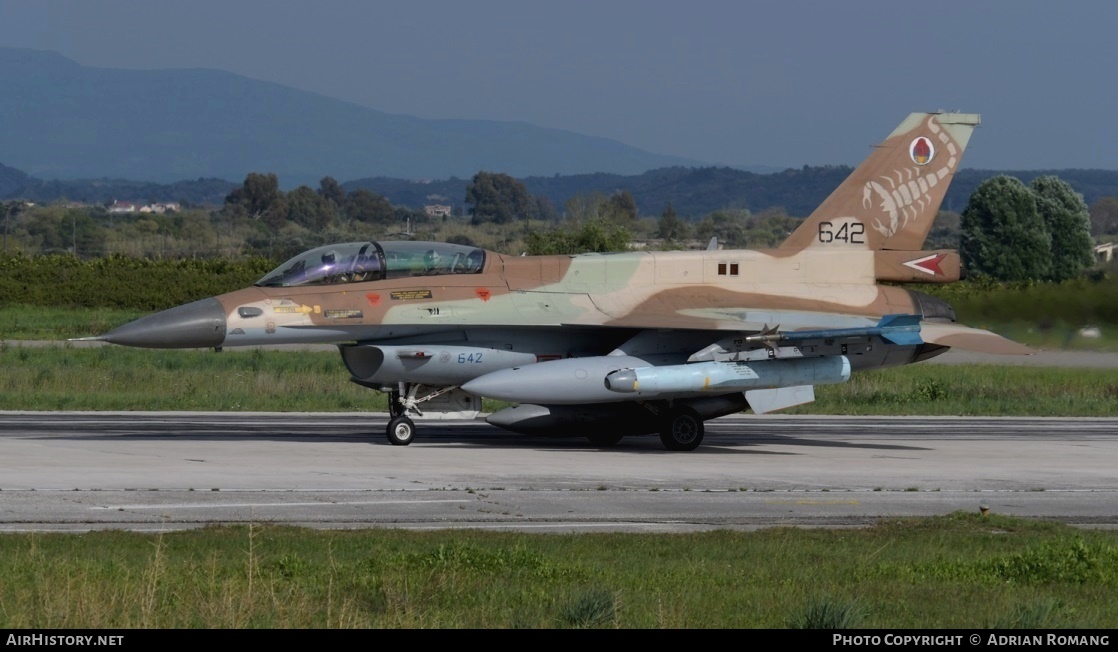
812 502
311 504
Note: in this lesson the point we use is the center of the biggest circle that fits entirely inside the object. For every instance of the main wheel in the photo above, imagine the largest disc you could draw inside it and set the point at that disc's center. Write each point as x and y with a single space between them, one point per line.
401 431
682 430
604 439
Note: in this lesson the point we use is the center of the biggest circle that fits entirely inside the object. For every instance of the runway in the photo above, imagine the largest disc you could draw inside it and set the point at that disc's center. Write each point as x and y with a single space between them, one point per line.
154 471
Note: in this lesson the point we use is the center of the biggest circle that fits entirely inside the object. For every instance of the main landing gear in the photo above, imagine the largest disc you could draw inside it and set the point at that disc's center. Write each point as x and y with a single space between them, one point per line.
681 430
680 427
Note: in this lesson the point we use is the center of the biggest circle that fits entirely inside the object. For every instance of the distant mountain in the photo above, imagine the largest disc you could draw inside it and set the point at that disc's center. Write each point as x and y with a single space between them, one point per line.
697 191
11 180
208 193
15 184
693 192
61 120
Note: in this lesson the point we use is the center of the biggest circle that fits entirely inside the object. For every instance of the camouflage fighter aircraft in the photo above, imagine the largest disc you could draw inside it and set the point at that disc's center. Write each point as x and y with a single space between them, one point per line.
611 345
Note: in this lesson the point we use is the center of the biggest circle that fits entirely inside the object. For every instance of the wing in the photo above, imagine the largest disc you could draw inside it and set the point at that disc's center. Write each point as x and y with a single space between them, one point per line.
728 319
787 326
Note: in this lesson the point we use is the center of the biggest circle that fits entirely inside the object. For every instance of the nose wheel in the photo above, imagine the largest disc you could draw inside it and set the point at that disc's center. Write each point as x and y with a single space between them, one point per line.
401 431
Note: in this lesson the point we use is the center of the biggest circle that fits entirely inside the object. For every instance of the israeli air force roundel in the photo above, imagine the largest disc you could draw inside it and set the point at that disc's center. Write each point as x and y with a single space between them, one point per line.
921 150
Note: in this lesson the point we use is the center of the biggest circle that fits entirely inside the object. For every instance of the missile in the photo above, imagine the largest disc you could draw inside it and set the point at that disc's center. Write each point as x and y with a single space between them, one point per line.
652 382
900 329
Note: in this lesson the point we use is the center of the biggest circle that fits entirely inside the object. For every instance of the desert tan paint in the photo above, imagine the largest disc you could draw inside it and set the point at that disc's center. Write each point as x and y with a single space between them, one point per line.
891 200
871 228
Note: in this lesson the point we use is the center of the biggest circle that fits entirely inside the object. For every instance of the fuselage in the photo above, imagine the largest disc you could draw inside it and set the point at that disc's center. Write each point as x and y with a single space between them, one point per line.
687 289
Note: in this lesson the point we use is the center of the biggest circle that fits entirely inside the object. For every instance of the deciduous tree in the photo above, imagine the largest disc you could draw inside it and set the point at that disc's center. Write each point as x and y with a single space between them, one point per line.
370 208
545 210
497 198
1003 235
582 207
259 197
1069 224
332 191
671 228
622 207
595 235
309 209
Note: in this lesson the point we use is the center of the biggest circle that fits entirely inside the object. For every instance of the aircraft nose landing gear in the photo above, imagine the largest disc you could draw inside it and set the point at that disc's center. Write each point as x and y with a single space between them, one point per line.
447 402
401 429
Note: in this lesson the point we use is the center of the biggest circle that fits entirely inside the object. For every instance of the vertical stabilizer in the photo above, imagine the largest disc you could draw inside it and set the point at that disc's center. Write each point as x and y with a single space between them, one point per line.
891 199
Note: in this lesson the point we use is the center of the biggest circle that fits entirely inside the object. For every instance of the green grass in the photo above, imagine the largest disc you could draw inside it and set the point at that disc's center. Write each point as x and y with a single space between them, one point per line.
827 612
38 323
971 390
1054 337
119 378
955 571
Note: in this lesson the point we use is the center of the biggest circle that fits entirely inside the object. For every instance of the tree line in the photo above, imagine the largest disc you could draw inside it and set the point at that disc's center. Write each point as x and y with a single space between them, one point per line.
1008 230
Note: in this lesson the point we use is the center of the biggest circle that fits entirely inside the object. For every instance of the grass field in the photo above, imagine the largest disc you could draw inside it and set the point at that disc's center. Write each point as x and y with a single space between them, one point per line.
1055 337
42 323
956 571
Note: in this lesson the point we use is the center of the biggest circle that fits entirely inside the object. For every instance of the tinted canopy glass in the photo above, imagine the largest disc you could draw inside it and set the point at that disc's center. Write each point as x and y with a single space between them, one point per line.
355 262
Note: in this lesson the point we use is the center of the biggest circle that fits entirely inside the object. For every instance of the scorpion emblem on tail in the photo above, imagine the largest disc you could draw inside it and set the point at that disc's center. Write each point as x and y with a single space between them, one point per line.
904 198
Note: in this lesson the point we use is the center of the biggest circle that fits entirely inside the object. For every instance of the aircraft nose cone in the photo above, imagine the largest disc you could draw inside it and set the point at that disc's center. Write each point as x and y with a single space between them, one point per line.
200 324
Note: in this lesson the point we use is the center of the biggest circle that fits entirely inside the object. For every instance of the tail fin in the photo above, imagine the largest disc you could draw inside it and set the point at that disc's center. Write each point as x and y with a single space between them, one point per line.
891 199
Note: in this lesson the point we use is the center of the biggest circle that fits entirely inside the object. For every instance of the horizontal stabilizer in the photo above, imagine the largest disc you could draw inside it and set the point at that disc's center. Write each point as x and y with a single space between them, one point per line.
942 266
962 337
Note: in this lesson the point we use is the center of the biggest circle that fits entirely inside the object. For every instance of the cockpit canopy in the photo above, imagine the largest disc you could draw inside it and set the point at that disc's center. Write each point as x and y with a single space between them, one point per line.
354 262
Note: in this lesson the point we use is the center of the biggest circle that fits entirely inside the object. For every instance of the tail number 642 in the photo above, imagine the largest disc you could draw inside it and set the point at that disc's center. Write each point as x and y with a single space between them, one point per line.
849 232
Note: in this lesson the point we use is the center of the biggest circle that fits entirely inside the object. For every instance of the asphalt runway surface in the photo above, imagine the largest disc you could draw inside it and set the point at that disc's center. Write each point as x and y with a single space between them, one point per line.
157 471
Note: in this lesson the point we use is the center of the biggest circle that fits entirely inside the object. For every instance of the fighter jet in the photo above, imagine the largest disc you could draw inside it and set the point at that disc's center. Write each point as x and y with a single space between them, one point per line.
606 346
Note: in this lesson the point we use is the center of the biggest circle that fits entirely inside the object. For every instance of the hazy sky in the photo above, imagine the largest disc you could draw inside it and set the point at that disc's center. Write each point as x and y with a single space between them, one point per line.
739 82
